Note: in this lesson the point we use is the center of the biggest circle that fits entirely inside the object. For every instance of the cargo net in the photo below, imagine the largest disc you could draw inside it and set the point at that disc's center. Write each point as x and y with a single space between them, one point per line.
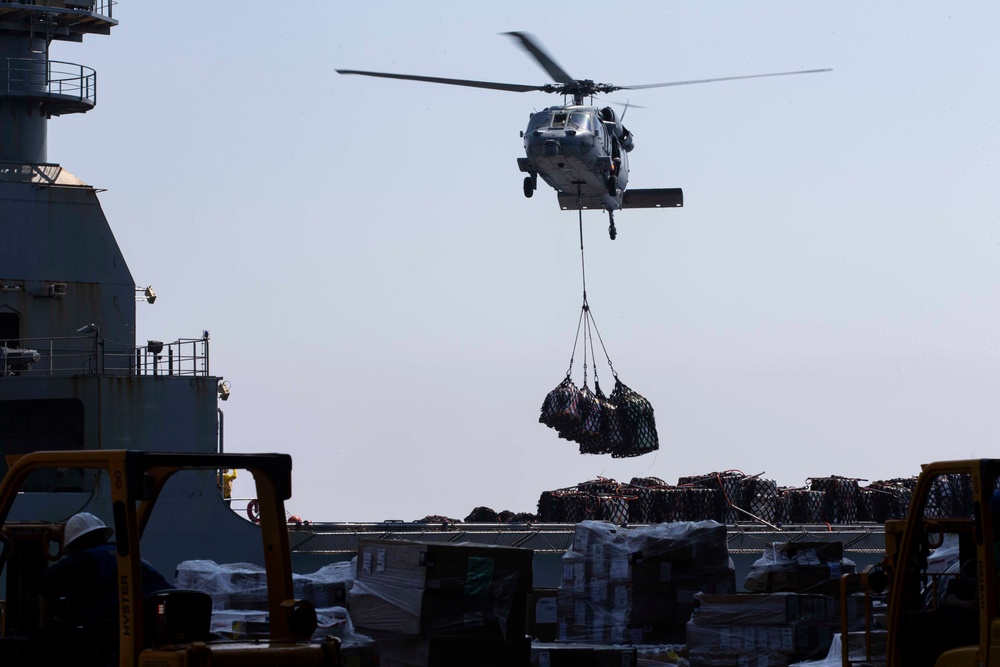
840 498
596 500
800 505
883 500
740 497
644 500
733 497
950 496
621 424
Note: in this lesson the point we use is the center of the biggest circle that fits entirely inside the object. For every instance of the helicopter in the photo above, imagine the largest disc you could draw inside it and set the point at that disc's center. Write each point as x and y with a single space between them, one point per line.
579 149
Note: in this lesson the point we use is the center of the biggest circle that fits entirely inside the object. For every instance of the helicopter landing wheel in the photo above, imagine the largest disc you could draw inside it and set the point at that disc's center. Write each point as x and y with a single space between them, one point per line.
613 185
612 230
529 187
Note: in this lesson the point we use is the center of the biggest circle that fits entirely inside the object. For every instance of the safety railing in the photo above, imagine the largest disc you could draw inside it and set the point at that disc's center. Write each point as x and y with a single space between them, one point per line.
184 356
30 77
102 7
91 354
29 172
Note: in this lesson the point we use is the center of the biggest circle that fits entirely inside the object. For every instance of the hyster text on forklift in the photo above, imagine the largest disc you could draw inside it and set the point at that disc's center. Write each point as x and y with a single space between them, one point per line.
171 628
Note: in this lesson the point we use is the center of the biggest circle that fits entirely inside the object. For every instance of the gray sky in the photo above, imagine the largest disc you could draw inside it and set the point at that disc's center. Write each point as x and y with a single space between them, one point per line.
391 310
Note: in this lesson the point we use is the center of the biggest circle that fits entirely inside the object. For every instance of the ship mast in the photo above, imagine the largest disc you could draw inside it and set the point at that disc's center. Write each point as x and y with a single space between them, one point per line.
34 88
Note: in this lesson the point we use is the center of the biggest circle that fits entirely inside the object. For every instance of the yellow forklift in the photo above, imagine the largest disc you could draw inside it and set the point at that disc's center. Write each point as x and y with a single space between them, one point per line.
170 628
939 575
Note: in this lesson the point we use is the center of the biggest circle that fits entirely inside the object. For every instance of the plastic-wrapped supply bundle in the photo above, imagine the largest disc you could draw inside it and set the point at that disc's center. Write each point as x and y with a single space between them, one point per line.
431 603
766 629
637 585
800 567
637 417
239 595
243 586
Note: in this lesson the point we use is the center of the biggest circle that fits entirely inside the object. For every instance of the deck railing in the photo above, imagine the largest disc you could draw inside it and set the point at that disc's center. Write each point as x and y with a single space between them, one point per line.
30 77
101 7
91 354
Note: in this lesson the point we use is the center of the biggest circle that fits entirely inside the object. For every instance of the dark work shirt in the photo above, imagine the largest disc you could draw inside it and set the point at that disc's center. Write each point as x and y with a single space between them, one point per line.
87 583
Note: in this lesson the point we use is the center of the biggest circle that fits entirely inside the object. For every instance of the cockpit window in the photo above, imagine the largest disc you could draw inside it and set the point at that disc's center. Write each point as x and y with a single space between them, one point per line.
539 121
579 121
561 120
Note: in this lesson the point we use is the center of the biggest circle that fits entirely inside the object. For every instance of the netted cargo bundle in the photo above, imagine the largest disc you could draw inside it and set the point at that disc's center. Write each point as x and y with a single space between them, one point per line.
561 407
596 500
697 503
647 481
599 485
636 414
760 498
621 424
482 515
730 489
840 499
886 499
664 504
800 506
950 496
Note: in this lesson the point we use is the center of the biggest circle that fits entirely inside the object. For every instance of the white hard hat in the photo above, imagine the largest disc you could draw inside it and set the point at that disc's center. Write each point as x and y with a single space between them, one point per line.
83 524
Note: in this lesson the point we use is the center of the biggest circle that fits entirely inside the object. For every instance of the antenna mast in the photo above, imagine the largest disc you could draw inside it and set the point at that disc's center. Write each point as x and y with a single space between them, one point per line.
34 88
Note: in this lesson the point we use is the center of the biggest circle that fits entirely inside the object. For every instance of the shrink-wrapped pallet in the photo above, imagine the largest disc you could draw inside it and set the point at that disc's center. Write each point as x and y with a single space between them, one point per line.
429 602
765 629
799 567
637 585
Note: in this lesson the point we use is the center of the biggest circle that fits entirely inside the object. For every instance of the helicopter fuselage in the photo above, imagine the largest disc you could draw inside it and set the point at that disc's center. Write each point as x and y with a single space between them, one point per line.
578 150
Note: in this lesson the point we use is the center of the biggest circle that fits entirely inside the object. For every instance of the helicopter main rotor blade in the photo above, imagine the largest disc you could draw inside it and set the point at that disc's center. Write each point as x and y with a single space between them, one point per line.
543 58
725 78
511 87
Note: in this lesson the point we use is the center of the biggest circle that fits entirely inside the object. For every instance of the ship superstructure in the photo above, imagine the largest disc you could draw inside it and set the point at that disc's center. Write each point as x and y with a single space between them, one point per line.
72 374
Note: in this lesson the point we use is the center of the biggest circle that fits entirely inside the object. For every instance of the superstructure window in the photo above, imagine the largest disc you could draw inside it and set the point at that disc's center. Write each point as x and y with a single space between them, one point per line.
10 329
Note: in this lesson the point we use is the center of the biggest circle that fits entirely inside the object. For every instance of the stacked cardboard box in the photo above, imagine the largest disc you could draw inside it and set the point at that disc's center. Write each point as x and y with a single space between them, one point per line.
800 567
583 655
431 603
765 629
638 585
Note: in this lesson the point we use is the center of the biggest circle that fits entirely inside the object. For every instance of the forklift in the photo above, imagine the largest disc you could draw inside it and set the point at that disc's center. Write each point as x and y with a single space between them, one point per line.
938 577
168 628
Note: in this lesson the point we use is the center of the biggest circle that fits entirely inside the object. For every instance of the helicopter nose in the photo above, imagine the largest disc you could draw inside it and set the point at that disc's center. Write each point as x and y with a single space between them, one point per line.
551 149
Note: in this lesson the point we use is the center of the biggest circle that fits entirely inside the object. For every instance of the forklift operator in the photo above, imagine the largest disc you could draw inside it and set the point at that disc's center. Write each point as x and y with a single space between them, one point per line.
79 592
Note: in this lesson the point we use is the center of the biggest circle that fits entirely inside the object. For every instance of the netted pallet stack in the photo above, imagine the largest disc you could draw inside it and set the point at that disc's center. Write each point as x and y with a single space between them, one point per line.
840 499
796 505
950 496
885 499
733 497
